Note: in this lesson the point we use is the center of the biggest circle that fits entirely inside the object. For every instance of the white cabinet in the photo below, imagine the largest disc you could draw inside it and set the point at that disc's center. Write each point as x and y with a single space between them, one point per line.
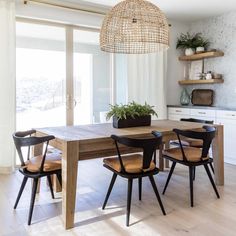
228 119
175 113
204 114
223 117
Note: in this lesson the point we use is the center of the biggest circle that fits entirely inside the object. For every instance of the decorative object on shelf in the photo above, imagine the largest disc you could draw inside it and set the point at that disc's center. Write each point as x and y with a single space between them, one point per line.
131 115
189 51
217 76
192 43
202 97
196 70
200 49
185 97
133 27
209 75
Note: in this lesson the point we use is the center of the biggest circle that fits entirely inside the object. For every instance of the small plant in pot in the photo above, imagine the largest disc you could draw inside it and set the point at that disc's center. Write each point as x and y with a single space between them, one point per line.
191 43
131 115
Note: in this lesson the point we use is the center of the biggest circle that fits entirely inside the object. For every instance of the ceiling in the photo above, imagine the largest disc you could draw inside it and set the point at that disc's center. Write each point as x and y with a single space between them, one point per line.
183 10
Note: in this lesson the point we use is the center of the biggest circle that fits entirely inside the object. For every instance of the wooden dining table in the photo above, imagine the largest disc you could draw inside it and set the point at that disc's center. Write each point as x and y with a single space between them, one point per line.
93 141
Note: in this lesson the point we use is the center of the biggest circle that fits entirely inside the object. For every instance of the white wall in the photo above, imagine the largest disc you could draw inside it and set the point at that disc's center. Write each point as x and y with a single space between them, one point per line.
221 31
175 68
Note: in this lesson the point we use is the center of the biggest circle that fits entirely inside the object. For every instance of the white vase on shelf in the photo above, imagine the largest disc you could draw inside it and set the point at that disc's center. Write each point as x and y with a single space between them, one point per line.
189 51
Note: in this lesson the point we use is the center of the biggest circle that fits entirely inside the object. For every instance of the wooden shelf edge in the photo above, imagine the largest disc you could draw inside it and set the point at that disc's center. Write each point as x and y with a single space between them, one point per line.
207 81
201 56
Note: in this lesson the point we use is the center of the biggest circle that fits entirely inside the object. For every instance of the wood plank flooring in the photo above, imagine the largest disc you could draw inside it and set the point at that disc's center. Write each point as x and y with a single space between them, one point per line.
210 216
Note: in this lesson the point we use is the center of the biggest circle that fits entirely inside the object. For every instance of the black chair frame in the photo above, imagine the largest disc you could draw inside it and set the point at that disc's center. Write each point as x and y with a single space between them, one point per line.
207 138
148 147
210 122
24 139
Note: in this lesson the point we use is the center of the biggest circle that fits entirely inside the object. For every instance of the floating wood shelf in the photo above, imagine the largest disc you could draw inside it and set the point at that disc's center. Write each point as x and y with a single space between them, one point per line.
201 81
201 56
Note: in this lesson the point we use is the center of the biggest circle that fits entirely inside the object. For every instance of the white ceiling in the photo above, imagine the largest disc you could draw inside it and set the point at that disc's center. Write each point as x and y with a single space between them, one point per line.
185 10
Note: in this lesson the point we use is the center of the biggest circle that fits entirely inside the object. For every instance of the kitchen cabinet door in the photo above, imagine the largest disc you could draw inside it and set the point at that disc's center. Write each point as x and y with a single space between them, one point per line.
229 135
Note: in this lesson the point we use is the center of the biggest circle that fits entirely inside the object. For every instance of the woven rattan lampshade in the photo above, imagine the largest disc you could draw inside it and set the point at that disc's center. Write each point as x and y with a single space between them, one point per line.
133 27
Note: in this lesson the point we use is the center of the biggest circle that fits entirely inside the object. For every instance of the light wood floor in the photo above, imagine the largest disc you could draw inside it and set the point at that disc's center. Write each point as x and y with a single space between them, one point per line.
210 216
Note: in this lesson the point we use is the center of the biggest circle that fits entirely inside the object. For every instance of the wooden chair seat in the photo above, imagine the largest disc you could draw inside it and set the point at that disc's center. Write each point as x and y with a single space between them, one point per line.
192 154
189 142
132 163
52 162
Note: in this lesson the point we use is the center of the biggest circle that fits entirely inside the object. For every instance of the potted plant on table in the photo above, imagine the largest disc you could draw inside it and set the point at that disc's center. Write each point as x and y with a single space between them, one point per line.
131 115
191 43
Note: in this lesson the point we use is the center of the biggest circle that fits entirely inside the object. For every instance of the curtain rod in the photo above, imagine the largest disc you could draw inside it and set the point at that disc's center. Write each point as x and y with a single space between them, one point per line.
64 6
67 7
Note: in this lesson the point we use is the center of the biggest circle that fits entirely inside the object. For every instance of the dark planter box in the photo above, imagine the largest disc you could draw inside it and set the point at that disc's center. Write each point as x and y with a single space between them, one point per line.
132 122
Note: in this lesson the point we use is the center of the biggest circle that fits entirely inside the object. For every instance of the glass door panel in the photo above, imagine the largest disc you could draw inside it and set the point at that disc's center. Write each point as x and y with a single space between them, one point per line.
40 76
92 78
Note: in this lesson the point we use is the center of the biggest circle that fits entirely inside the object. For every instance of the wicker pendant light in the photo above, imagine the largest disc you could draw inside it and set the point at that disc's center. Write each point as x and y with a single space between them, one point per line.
133 27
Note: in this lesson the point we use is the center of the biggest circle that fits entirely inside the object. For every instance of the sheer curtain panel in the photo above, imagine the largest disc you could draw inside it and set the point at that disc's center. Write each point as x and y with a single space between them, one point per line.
147 80
7 88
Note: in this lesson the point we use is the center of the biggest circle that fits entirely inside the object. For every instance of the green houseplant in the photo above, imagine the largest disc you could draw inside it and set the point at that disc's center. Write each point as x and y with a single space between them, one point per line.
131 115
191 42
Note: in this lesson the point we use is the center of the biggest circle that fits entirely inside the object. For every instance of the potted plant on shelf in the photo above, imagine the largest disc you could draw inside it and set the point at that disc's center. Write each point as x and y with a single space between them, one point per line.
191 43
131 115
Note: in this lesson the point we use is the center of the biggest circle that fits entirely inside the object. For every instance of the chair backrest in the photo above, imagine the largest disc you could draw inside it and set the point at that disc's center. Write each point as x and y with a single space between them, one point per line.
207 136
147 145
197 120
24 139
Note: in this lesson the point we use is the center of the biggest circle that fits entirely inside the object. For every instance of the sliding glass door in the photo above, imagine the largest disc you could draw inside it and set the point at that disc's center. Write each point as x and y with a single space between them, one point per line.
53 90
92 78
40 76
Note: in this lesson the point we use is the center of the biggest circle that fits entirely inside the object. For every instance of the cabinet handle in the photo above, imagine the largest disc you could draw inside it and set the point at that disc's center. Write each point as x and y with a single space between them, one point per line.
203 113
178 111
230 114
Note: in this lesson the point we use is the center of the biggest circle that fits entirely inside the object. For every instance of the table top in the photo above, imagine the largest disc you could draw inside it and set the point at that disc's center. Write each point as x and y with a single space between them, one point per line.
99 131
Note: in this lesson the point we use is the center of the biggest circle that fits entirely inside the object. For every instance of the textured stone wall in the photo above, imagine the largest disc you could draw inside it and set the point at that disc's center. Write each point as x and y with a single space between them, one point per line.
221 31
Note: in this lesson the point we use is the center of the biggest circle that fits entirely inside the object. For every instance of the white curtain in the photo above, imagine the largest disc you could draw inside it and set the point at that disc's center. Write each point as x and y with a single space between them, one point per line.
7 84
146 78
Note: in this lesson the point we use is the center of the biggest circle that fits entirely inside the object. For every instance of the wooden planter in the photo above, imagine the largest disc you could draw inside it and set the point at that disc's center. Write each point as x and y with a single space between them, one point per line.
132 122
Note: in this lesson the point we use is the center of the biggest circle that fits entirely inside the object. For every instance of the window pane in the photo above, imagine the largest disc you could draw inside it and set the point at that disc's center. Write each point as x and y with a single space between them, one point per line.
40 76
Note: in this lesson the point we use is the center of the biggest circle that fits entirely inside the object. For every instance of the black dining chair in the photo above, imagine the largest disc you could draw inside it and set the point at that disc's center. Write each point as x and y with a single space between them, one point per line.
193 142
134 166
36 167
192 156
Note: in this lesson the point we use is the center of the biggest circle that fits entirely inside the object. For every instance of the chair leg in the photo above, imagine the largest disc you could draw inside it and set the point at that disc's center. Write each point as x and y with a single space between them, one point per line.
212 168
191 183
34 190
169 176
59 178
194 172
20 191
50 185
129 196
157 194
140 188
109 190
212 181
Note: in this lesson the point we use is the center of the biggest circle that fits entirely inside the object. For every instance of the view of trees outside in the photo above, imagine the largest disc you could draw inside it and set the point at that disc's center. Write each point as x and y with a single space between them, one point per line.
40 88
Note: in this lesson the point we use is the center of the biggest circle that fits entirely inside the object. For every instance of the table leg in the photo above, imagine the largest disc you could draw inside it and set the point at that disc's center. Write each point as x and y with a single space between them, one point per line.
161 160
70 157
167 146
218 155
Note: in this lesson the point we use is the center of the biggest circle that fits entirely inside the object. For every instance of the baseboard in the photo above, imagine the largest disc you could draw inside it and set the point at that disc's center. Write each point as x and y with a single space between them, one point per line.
6 170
